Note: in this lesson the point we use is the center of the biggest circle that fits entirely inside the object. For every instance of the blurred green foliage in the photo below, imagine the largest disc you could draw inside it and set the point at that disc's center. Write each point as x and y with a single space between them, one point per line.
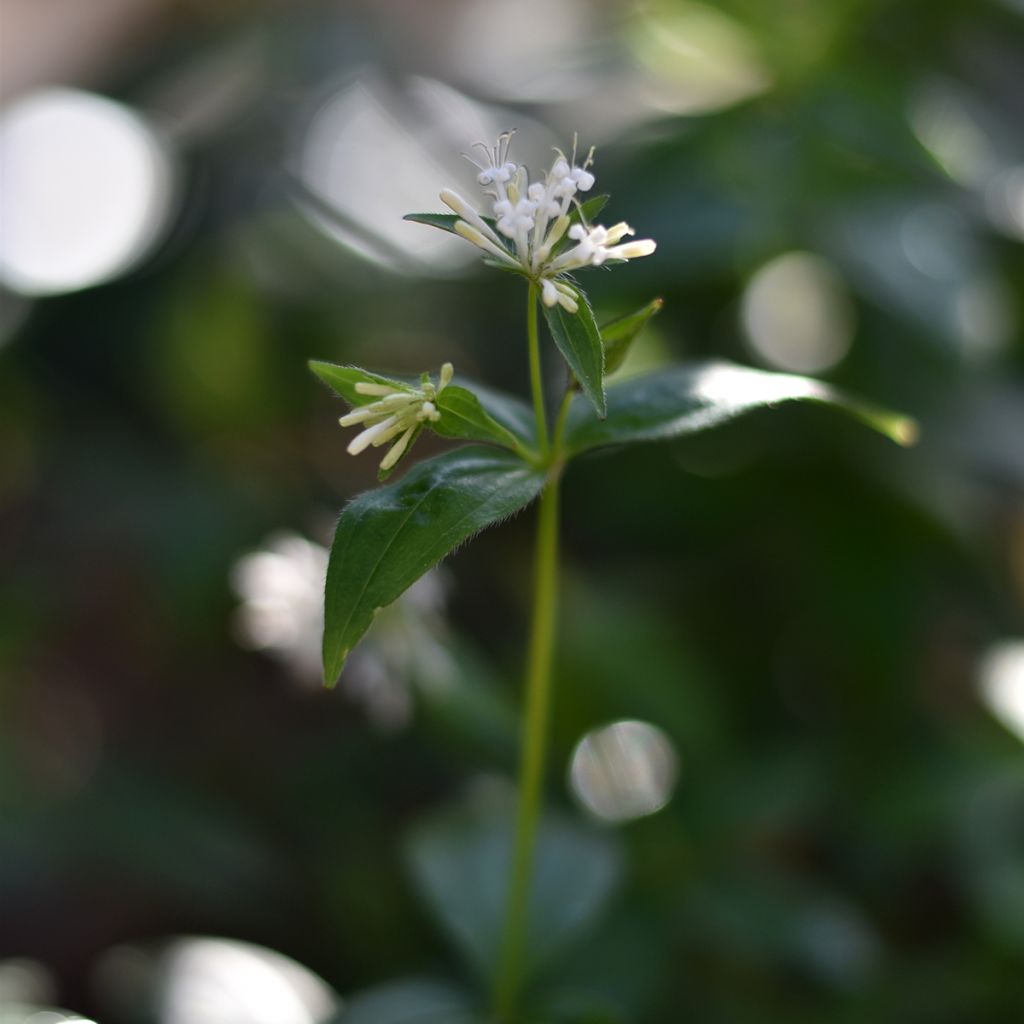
800 606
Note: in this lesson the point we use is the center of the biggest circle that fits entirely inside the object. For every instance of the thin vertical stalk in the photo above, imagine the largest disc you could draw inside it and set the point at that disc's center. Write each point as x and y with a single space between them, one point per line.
536 382
534 750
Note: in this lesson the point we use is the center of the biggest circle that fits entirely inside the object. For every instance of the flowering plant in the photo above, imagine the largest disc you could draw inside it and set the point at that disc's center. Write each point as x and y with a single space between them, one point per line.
386 539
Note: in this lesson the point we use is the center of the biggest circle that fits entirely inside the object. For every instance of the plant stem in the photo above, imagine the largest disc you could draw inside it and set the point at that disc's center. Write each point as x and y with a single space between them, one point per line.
537 690
534 749
536 383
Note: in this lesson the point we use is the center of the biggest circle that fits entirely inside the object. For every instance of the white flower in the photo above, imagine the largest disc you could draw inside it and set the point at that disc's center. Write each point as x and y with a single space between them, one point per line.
399 412
531 219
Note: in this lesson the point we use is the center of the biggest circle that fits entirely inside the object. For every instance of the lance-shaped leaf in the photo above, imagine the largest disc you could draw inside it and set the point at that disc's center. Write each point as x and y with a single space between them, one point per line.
618 335
464 417
444 221
579 340
693 397
343 381
473 413
388 538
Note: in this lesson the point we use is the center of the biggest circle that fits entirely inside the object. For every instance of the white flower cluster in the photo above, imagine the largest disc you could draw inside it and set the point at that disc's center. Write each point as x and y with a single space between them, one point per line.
399 411
531 219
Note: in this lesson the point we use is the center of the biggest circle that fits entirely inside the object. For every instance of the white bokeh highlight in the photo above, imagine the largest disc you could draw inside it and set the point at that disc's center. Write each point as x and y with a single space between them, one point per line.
624 770
87 191
797 314
1001 684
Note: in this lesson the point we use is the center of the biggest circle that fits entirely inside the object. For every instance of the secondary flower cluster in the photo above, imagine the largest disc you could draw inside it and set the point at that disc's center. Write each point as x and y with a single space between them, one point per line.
400 411
531 219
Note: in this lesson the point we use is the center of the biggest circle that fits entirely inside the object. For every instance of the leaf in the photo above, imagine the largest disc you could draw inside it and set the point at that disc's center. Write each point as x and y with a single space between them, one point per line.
586 212
411 1001
579 340
692 397
589 209
490 416
386 539
618 335
343 380
464 417
460 863
444 221
509 410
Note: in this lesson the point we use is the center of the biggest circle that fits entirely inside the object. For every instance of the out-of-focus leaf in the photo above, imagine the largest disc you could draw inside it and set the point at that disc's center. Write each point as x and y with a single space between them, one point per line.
696 396
618 335
464 417
579 340
386 539
460 864
411 1001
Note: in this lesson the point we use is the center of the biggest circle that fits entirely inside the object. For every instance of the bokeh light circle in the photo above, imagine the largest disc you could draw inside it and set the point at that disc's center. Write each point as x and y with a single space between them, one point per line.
624 770
87 189
797 314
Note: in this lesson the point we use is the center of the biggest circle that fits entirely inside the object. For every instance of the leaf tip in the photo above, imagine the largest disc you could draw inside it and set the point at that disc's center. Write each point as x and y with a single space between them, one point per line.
334 662
904 430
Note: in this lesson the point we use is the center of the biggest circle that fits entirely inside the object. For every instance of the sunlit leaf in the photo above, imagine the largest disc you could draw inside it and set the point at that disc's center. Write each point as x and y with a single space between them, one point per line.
460 863
386 539
579 341
692 397
618 335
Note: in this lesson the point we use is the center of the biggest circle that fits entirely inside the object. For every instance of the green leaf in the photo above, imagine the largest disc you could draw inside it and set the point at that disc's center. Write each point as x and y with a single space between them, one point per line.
386 539
444 221
343 380
579 340
692 397
472 413
509 410
464 417
618 335
460 863
411 1001
588 210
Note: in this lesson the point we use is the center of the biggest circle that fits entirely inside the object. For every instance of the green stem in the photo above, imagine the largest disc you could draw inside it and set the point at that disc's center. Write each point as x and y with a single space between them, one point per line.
536 383
537 688
531 772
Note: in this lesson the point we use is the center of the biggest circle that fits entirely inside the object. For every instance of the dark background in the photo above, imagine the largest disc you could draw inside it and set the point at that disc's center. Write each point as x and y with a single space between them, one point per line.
808 612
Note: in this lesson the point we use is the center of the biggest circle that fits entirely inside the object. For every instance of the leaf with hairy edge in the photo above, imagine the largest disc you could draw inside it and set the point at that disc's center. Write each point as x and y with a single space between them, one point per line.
343 381
509 410
473 413
692 397
618 335
388 538
579 340
463 417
